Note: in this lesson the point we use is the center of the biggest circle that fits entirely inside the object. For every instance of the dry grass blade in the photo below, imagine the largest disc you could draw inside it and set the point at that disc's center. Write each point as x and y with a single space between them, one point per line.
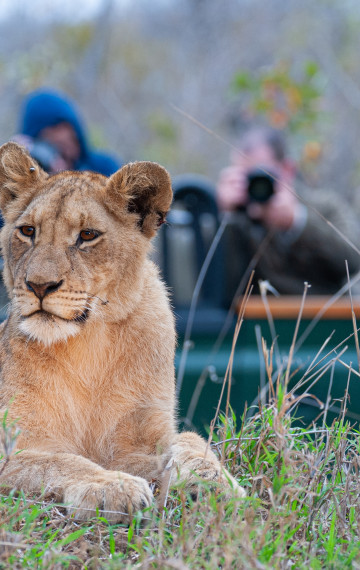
344 289
356 337
330 352
324 344
328 397
263 388
264 288
227 377
165 486
292 347
268 359
346 395
225 329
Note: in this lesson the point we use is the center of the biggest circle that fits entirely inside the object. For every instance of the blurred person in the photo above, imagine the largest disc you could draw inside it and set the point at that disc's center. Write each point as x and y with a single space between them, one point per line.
52 130
270 225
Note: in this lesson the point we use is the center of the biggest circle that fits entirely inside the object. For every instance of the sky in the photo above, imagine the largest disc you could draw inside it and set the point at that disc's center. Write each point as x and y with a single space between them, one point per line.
53 9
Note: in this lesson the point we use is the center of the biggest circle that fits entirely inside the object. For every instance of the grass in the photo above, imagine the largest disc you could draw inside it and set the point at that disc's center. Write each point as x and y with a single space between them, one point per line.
302 510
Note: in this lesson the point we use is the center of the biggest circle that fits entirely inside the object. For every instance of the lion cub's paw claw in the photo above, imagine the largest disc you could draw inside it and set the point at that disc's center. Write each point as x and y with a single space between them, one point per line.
231 486
210 472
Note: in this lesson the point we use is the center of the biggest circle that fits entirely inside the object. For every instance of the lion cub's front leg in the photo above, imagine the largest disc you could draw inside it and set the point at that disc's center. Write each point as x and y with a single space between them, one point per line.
82 485
194 461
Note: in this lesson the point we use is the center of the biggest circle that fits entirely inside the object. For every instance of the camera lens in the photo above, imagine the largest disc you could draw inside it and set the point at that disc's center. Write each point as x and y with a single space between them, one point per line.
44 153
260 186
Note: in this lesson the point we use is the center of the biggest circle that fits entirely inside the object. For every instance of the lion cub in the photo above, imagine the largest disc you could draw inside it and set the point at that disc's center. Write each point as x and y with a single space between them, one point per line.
87 351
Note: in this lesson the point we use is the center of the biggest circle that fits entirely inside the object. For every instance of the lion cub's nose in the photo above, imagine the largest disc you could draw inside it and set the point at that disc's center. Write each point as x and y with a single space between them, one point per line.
43 289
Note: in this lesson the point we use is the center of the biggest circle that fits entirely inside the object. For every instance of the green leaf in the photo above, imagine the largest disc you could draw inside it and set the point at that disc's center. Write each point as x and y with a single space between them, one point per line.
71 537
242 81
311 69
111 542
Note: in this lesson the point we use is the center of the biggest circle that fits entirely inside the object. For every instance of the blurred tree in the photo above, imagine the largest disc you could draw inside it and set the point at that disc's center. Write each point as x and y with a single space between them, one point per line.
285 102
126 63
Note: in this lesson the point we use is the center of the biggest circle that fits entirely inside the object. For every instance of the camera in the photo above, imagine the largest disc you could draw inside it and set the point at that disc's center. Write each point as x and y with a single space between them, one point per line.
45 154
260 185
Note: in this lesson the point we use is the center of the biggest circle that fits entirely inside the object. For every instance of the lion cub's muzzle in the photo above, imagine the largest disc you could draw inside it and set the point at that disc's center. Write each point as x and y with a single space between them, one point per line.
52 298
43 289
51 311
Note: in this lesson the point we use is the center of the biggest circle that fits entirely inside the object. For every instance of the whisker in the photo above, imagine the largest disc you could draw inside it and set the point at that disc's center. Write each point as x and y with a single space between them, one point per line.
103 302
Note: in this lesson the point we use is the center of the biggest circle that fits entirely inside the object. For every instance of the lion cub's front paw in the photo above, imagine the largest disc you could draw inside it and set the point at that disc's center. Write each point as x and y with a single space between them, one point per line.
116 495
193 461
211 471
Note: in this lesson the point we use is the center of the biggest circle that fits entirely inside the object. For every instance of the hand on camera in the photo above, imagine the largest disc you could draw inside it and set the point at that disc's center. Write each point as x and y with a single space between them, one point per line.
278 212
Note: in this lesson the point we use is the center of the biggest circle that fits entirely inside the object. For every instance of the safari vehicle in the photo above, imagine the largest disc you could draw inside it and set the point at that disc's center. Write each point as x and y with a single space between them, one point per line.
324 361
324 366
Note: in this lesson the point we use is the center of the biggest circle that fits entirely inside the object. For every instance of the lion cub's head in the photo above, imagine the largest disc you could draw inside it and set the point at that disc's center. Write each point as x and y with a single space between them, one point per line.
74 243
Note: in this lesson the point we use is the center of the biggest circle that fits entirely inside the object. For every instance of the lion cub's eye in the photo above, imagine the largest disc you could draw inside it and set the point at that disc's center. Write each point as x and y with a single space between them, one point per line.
28 231
88 235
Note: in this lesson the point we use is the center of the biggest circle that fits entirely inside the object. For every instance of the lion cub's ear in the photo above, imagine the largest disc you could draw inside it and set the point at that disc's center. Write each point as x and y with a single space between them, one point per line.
19 178
142 188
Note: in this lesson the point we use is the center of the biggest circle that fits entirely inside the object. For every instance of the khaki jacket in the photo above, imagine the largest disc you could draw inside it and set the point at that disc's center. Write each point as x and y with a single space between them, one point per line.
316 254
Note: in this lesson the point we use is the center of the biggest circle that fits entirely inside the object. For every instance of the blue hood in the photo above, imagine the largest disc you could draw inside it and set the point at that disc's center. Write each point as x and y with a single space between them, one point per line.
47 108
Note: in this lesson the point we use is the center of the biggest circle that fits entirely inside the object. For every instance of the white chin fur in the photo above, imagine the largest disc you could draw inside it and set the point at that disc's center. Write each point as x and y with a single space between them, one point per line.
48 331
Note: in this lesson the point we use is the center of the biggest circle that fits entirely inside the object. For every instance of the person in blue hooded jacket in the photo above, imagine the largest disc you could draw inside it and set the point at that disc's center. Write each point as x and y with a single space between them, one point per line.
52 130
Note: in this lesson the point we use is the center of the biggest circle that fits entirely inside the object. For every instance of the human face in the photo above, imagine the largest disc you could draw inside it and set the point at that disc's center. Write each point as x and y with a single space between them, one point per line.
258 156
64 138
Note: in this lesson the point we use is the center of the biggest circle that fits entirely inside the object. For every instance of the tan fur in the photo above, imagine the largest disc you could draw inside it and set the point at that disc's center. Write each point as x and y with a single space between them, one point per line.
88 369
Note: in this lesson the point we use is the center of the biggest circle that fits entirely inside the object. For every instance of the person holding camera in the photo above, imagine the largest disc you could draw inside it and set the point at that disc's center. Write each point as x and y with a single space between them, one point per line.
275 225
53 132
